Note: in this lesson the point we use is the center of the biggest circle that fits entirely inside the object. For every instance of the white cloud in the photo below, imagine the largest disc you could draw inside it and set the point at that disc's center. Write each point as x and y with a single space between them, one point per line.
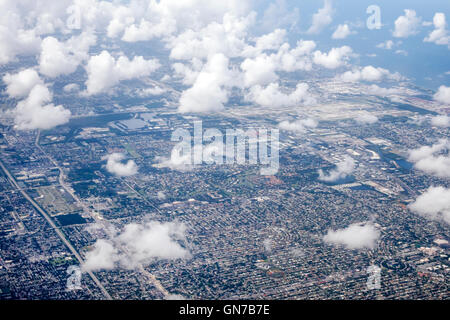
71 87
138 245
355 236
433 159
259 71
21 23
368 73
188 73
161 195
209 92
178 160
278 14
272 96
227 38
105 72
152 91
298 58
261 68
147 30
366 118
62 58
298 125
388 45
183 160
335 58
407 25
402 52
115 166
440 34
443 95
342 170
162 19
379 91
441 121
102 256
20 84
321 18
341 32
270 41
14 38
121 18
34 113
153 240
434 204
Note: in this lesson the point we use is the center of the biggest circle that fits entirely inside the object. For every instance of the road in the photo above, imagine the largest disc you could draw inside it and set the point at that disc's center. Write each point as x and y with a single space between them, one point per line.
57 230
98 218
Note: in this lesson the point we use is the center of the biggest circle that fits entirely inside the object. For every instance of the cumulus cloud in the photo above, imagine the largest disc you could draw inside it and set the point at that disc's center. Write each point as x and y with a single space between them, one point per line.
441 121
341 32
147 30
62 58
35 112
402 52
188 73
162 19
15 37
161 195
298 58
278 14
366 118
20 84
388 45
102 256
104 71
227 38
71 87
270 41
121 18
209 92
298 125
152 91
260 68
115 166
272 96
433 159
407 25
368 73
259 71
321 18
355 236
443 95
138 245
433 204
178 160
22 42
184 161
342 170
440 34
335 58
379 91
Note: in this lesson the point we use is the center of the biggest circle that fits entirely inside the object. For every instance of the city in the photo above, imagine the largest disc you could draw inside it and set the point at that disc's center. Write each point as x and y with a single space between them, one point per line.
99 207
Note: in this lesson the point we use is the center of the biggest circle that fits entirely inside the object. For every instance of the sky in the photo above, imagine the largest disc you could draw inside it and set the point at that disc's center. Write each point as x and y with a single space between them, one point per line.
426 63
211 50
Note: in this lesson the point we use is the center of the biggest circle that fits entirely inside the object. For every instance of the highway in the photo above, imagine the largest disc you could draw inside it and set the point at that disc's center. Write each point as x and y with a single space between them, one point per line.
98 219
57 230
